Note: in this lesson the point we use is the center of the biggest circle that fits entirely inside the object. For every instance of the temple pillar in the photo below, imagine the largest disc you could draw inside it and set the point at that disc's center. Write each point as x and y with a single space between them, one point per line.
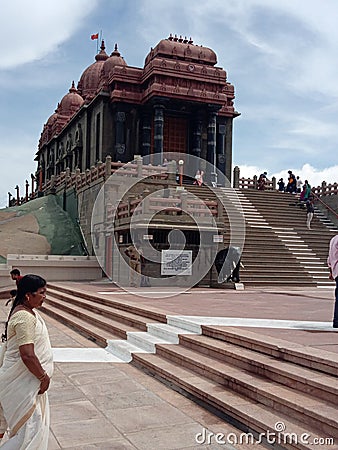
228 148
221 148
197 140
211 146
120 145
146 134
158 133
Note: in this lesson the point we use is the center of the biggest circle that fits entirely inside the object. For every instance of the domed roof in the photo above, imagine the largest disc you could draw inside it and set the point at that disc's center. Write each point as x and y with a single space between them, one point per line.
71 102
52 119
115 59
183 49
89 81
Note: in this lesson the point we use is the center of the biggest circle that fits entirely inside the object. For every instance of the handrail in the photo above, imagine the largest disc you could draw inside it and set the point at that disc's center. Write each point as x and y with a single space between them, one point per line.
325 205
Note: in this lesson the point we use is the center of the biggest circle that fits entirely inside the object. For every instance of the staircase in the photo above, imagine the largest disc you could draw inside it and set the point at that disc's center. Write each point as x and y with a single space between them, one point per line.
279 250
259 385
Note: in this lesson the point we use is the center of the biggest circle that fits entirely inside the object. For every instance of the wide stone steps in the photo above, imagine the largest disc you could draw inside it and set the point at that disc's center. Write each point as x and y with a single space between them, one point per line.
71 315
298 405
247 379
236 407
96 308
97 318
83 327
322 386
309 357
67 293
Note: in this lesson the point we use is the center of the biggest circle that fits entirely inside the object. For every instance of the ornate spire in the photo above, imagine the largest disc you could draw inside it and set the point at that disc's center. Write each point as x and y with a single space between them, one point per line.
102 55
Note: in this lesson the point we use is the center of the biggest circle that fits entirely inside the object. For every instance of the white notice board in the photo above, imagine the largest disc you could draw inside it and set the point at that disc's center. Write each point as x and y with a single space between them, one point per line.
176 262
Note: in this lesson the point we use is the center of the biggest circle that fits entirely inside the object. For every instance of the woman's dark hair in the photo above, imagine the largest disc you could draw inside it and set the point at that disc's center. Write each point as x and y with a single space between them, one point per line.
27 284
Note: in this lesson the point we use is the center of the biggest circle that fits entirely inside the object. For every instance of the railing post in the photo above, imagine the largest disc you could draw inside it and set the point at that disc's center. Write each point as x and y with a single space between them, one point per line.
184 201
107 169
17 195
9 199
172 171
27 187
139 164
273 179
145 201
32 185
323 188
52 184
255 182
236 177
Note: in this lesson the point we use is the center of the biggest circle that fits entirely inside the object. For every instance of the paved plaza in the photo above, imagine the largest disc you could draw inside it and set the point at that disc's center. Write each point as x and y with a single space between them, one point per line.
99 402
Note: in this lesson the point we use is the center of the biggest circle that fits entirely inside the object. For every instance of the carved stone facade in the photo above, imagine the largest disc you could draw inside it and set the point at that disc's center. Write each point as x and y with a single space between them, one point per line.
180 101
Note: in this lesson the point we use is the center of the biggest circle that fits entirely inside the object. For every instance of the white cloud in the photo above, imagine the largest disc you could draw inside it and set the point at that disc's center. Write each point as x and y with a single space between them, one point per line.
307 172
33 29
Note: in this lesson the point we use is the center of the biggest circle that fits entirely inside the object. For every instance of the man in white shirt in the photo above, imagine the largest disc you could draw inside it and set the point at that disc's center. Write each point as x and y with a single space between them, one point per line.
332 262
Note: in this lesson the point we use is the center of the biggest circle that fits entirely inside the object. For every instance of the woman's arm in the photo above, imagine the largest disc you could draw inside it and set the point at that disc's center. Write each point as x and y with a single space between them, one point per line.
32 363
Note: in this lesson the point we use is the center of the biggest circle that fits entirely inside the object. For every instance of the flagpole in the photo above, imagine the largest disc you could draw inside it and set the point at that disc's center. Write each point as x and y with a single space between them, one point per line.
100 36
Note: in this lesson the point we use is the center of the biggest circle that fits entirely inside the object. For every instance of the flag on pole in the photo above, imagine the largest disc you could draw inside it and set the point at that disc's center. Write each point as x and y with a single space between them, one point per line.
94 36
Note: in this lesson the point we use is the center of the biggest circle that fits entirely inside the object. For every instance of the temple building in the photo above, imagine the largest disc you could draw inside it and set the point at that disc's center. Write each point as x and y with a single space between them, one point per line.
179 101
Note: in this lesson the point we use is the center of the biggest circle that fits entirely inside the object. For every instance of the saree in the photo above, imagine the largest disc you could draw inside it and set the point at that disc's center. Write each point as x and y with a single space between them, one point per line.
25 413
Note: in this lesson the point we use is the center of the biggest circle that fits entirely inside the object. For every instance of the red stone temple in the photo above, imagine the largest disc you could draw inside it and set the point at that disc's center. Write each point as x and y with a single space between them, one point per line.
180 101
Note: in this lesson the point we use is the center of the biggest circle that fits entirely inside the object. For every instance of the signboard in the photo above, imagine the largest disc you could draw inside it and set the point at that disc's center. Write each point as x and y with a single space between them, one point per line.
176 262
217 238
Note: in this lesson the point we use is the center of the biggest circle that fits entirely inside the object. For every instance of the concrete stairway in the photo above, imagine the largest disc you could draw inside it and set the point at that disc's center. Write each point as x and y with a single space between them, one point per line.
99 319
278 249
308 249
258 384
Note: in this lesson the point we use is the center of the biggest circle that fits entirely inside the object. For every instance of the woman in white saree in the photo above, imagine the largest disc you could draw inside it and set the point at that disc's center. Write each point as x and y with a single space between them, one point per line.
25 371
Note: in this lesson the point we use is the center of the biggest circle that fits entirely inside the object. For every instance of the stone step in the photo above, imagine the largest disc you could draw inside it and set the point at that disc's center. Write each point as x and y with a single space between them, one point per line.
309 357
85 328
297 405
232 406
101 309
151 313
167 332
98 320
322 386
124 349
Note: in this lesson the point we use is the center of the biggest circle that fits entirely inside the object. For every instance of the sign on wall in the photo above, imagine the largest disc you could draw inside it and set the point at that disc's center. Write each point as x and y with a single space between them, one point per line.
176 262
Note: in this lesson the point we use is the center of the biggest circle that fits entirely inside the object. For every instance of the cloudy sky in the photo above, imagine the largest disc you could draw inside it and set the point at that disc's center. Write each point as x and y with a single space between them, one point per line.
281 56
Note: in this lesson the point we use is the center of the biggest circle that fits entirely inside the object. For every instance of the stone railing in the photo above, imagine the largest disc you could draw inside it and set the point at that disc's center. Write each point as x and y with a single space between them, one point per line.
175 205
100 172
251 183
326 189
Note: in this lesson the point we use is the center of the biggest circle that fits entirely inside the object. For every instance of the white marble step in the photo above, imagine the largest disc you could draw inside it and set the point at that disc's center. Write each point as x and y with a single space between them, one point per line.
145 341
167 332
123 349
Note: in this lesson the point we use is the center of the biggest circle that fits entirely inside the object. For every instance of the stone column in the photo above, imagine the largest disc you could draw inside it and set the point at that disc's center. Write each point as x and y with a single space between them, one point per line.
197 136
158 134
211 151
228 148
221 148
197 140
146 134
120 146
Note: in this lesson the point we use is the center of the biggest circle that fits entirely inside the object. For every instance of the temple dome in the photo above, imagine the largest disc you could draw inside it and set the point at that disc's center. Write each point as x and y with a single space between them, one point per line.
115 59
71 102
90 79
182 49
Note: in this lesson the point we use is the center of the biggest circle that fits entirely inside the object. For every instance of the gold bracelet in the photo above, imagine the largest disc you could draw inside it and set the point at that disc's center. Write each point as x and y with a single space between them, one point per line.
42 376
